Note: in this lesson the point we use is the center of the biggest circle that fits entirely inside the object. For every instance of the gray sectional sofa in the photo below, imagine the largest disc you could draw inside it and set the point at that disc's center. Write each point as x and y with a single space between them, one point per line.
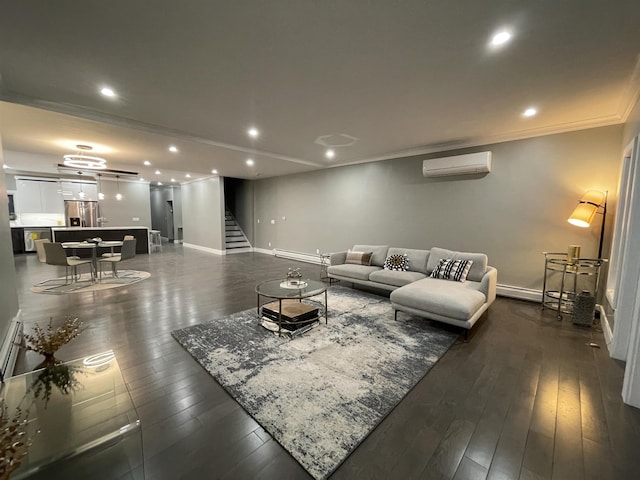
413 291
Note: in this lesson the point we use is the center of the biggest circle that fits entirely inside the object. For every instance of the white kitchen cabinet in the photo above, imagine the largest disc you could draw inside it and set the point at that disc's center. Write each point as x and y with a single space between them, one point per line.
80 191
38 196
51 197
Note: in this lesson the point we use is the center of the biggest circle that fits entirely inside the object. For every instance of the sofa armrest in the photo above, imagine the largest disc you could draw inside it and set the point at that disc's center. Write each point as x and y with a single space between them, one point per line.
489 283
338 258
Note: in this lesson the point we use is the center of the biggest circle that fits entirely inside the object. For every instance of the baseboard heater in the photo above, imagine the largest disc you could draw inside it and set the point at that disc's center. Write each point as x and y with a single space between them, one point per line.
299 256
10 348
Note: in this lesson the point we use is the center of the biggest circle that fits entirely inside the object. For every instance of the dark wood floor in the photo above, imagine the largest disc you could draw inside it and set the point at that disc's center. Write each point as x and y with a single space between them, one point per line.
525 398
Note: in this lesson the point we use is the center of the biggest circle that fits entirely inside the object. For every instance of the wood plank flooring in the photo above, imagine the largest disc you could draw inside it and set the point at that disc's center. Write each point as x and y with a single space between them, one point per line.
526 398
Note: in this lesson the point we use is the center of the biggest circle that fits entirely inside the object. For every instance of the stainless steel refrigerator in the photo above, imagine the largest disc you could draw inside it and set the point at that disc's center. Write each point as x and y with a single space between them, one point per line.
78 213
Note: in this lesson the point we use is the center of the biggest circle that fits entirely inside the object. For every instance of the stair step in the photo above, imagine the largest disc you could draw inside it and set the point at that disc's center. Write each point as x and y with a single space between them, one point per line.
237 245
238 250
236 240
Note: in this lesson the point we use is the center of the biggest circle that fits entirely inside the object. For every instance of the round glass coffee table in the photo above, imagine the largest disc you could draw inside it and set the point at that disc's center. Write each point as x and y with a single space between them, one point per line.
281 290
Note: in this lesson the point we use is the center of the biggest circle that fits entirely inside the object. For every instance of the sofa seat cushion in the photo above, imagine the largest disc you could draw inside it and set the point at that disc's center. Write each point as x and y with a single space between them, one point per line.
394 277
359 272
449 299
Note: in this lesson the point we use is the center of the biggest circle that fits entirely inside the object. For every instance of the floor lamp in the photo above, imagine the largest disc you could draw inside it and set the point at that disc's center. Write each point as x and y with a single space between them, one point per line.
586 211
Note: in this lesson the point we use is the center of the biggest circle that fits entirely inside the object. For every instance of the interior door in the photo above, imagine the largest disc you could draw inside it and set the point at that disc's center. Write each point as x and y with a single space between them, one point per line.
168 218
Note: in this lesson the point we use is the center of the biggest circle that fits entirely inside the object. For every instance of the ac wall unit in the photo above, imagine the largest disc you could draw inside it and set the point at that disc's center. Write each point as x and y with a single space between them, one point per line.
457 165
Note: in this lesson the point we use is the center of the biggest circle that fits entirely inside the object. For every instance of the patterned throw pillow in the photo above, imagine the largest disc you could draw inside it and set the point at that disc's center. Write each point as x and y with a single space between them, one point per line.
359 258
397 262
450 269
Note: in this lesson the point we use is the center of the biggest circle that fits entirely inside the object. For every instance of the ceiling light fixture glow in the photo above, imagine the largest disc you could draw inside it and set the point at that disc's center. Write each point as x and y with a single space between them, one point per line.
158 172
250 162
329 153
173 179
253 132
147 163
173 149
107 92
529 112
85 161
159 183
141 179
214 171
188 176
500 38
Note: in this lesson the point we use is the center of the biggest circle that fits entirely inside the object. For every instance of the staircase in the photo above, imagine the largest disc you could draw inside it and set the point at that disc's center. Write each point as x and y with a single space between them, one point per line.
234 239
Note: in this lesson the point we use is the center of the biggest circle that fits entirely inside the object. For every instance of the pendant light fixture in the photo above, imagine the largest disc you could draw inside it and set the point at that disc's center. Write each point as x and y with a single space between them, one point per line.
118 194
100 194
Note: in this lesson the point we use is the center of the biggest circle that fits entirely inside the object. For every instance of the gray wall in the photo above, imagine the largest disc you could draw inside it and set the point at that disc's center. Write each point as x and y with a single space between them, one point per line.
203 213
135 203
238 196
160 195
513 214
8 293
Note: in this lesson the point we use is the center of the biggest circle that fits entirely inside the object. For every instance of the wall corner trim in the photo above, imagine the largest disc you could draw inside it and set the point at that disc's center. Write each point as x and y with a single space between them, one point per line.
519 293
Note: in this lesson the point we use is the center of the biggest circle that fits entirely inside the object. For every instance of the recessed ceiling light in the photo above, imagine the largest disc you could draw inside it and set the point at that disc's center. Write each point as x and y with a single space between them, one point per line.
529 112
329 153
5 166
100 196
173 148
118 196
250 162
214 171
500 38
157 172
188 176
141 179
107 92
147 163
159 183
253 132
173 179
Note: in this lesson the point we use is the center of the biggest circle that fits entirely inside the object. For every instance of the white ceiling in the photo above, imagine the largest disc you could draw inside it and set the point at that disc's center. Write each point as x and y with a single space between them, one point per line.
401 77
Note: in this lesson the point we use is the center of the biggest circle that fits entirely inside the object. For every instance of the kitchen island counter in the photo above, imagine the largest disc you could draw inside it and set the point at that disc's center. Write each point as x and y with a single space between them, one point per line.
78 234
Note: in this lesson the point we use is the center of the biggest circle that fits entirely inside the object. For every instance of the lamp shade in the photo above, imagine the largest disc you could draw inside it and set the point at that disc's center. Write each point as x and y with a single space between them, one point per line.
583 214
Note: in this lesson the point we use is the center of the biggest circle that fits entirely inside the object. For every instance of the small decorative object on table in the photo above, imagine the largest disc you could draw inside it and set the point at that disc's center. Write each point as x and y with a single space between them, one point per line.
573 253
47 342
294 278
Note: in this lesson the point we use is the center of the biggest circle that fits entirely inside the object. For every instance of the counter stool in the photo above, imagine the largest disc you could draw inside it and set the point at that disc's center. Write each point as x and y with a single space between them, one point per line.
155 241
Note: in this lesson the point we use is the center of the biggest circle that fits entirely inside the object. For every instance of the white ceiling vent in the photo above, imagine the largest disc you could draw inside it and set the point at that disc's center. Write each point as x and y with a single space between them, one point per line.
470 164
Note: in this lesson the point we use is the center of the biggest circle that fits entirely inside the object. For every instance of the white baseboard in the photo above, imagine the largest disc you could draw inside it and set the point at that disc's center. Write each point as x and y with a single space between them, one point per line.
10 346
204 249
519 292
264 250
606 327
299 256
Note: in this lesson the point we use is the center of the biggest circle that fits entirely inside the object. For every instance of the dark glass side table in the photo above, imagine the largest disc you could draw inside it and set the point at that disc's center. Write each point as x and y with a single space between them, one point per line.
564 280
91 432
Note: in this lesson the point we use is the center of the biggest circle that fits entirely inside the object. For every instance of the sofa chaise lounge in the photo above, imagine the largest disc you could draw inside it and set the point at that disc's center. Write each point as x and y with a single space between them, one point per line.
413 290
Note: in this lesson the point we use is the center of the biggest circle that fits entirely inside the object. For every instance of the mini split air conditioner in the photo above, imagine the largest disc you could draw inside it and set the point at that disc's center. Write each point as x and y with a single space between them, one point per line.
457 165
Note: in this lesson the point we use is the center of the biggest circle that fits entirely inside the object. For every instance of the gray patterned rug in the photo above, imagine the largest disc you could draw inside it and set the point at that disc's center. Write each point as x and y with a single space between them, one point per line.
320 394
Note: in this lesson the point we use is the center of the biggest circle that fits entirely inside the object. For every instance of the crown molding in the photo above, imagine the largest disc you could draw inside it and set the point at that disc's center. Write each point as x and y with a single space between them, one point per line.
632 94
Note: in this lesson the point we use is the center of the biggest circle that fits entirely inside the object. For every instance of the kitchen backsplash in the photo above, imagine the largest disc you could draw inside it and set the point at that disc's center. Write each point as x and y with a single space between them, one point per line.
38 220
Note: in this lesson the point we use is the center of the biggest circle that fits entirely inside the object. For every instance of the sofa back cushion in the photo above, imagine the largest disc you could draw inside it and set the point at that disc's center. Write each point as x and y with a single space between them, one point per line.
379 253
417 258
358 258
478 268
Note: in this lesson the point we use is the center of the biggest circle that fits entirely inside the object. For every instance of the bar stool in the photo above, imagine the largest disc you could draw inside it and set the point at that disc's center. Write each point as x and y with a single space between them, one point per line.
155 240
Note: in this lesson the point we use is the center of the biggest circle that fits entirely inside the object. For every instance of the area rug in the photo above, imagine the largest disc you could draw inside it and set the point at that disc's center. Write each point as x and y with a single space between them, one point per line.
320 394
57 286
